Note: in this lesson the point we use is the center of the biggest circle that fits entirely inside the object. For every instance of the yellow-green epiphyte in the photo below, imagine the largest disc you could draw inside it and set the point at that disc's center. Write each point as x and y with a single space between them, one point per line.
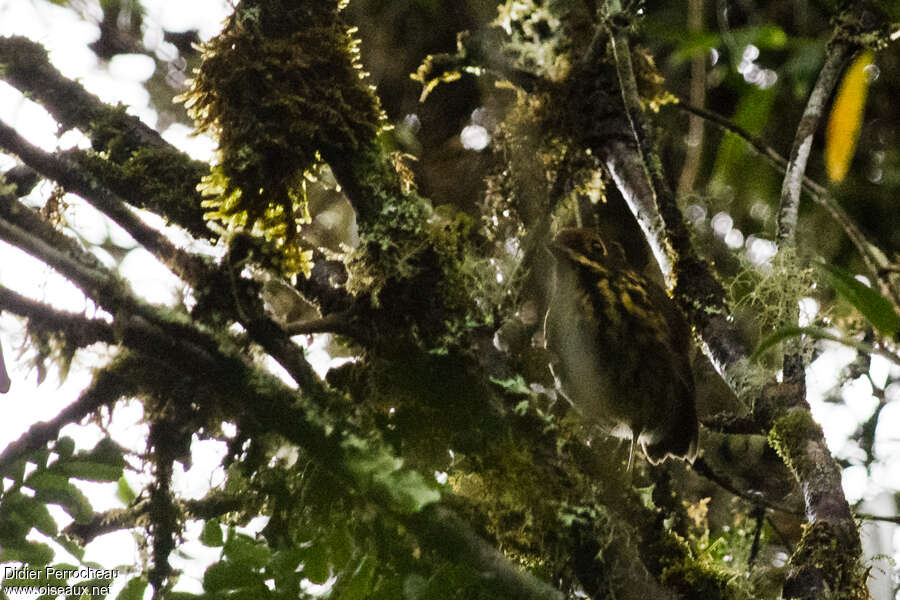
282 89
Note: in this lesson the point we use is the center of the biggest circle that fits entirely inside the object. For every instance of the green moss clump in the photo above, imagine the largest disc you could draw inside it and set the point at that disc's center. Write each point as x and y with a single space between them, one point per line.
112 133
695 577
789 432
692 577
282 89
819 550
422 267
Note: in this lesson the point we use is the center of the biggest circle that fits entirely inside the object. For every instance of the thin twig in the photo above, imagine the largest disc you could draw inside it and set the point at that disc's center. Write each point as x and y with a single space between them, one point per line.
838 53
701 467
213 505
333 323
877 262
729 423
885 519
694 140
824 334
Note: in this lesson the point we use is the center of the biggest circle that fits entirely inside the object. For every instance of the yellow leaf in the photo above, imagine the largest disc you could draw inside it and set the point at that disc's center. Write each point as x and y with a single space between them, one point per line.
845 121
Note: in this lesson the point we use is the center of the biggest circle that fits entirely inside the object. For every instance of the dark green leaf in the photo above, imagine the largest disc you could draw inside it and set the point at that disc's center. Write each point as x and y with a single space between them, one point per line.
227 575
31 553
56 489
88 471
376 466
752 114
13 529
44 480
359 584
284 563
316 566
243 549
64 447
874 307
212 534
37 514
71 546
107 452
414 587
40 457
15 470
133 590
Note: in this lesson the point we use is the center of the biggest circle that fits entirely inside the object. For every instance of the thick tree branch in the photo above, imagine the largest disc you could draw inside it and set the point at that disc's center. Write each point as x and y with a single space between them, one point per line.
792 432
13 212
94 282
640 178
163 172
440 527
653 222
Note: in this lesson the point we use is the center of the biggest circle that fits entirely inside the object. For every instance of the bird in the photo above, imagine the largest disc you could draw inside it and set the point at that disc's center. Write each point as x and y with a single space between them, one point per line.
622 349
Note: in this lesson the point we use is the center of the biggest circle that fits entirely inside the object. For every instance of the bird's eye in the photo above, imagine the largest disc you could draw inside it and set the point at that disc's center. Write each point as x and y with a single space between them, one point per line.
598 248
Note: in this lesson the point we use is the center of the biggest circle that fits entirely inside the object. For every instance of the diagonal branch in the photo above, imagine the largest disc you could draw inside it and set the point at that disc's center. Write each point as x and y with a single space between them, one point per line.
74 179
838 53
640 178
876 260
25 65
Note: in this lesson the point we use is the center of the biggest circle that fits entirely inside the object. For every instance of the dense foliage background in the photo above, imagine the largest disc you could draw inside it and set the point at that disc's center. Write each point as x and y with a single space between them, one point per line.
352 340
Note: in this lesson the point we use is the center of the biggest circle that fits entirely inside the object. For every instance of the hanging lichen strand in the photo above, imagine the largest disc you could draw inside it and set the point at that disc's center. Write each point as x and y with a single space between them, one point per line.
282 89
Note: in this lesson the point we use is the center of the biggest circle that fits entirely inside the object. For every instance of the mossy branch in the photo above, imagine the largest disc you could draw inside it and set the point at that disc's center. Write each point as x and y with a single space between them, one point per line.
96 193
135 151
188 351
